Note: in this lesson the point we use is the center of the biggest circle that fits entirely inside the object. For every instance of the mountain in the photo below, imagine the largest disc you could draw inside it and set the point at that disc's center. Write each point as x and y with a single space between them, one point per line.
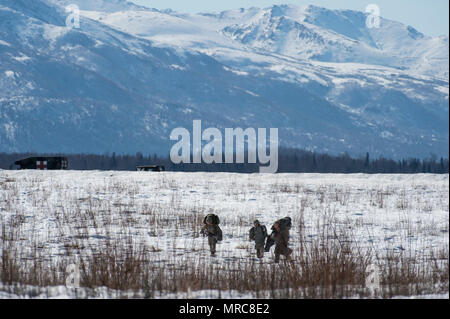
129 75
305 33
342 36
99 5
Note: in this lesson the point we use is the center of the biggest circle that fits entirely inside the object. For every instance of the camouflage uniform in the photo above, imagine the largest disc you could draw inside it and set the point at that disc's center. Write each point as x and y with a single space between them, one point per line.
281 238
214 234
258 233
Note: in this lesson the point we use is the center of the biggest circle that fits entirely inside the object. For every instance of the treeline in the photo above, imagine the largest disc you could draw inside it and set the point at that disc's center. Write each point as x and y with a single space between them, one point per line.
289 161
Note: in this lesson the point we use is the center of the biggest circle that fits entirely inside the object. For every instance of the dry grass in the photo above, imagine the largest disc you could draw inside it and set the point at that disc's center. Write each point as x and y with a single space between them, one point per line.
101 232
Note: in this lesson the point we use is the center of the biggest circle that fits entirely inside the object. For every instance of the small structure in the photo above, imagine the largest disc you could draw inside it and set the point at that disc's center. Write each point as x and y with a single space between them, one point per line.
43 163
150 168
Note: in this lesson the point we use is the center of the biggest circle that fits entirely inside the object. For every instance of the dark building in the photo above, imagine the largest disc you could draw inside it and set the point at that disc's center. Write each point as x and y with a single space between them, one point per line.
43 163
151 168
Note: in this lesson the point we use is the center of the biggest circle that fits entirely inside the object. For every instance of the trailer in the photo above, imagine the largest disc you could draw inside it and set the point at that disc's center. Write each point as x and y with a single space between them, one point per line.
43 163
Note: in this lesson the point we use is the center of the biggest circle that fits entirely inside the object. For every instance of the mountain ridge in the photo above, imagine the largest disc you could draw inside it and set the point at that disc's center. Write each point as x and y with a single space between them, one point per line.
108 87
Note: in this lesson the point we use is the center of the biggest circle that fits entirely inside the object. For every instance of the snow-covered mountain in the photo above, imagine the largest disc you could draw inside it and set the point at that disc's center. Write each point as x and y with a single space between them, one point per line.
306 33
99 5
342 36
129 75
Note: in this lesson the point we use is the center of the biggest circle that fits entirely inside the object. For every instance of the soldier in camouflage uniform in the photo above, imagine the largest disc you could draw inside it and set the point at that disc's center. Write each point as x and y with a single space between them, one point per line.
280 236
258 233
213 231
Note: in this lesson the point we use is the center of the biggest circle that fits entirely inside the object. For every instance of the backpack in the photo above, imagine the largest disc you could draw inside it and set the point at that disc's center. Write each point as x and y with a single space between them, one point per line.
264 231
211 219
285 223
219 235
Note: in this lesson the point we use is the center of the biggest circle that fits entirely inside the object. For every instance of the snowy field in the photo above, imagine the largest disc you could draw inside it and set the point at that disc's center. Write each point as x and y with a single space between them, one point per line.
136 234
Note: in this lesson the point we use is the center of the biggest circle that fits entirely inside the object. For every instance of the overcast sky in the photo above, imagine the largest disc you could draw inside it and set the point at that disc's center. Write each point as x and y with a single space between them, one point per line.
428 16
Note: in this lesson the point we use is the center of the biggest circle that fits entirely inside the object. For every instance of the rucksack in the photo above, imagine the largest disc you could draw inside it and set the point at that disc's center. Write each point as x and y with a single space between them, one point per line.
285 223
211 219
219 235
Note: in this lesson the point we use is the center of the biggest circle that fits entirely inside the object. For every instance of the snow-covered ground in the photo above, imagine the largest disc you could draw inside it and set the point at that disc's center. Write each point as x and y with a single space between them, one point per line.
386 214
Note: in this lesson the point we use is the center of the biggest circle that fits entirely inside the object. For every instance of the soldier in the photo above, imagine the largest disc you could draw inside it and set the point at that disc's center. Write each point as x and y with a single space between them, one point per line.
258 233
212 230
280 236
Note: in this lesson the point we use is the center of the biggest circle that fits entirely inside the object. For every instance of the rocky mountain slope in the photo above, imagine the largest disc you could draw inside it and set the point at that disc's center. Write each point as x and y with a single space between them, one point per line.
129 75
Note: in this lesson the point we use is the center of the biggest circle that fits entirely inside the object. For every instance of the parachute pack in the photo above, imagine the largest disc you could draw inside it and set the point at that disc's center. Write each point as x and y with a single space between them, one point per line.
285 223
219 235
211 219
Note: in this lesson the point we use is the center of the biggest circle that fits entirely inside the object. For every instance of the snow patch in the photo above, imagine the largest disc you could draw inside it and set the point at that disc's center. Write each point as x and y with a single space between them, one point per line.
22 58
386 134
9 74
177 67
243 73
4 43
251 93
